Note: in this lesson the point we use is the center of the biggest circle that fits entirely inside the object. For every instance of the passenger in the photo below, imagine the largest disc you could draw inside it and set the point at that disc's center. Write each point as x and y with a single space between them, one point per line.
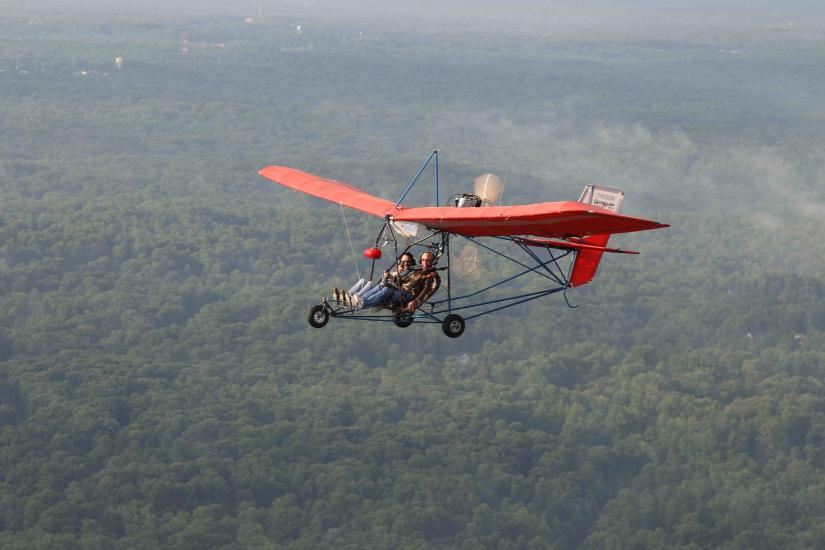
404 266
416 288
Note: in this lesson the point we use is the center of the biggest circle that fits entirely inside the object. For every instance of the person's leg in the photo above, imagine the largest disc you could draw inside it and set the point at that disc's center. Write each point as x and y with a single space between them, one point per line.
366 288
373 293
358 286
388 295
377 295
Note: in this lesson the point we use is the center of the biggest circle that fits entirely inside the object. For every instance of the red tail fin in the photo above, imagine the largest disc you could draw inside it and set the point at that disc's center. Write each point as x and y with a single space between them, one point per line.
587 261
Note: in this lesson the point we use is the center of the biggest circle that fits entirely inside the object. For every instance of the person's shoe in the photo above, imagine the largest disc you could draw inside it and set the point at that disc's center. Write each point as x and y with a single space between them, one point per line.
356 301
336 297
346 299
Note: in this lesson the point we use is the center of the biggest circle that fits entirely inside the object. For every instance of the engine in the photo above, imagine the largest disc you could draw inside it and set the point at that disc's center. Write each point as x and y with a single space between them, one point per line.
464 200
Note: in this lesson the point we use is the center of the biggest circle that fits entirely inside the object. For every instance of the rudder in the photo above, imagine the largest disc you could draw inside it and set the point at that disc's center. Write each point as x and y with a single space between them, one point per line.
586 262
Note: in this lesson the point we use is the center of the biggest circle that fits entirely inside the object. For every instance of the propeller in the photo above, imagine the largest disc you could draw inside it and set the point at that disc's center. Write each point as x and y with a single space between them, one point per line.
489 188
466 264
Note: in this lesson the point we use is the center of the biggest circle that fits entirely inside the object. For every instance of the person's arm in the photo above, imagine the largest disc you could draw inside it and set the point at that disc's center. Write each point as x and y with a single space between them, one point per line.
429 288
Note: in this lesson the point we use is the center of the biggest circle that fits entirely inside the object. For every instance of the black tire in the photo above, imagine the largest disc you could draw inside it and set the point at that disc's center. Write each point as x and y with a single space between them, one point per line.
453 325
402 318
318 316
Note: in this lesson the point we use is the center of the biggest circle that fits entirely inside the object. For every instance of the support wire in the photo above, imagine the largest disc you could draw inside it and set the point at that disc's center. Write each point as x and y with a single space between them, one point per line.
351 247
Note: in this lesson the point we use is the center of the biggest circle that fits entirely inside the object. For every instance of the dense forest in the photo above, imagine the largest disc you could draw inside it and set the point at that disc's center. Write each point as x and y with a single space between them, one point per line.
159 384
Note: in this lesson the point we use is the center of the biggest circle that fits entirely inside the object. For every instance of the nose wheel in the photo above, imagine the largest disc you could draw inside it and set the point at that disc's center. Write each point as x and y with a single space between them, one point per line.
318 316
453 325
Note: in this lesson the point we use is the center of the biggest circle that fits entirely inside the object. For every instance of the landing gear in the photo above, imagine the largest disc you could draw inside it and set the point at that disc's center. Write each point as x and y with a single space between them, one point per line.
453 325
402 318
318 315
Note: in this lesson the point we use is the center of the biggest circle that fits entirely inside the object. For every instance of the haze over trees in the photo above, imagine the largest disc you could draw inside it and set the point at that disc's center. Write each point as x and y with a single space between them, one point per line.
159 386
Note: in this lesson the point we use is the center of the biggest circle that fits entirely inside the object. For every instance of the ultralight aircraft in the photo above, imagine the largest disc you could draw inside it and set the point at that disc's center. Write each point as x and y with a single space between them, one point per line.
542 234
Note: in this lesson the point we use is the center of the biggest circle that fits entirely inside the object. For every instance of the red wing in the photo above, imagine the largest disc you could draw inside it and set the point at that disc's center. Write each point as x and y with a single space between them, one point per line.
547 219
331 190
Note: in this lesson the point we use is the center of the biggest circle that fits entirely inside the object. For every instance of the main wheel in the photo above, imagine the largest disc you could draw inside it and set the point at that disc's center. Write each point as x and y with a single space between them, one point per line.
402 318
453 325
318 316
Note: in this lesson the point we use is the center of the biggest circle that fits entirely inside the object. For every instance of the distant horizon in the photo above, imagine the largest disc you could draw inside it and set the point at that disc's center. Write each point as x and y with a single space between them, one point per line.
425 8
568 20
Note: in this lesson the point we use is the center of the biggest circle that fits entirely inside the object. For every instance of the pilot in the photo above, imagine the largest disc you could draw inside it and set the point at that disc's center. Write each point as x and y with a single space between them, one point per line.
416 288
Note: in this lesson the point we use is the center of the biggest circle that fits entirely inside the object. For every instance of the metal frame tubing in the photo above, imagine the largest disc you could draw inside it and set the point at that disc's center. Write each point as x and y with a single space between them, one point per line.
418 174
543 268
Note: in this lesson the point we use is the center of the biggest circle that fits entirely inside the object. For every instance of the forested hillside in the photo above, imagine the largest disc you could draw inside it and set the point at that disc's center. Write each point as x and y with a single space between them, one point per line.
159 384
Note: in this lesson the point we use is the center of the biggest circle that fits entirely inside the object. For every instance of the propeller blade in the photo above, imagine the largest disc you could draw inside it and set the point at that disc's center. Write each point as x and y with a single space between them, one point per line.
490 188
467 264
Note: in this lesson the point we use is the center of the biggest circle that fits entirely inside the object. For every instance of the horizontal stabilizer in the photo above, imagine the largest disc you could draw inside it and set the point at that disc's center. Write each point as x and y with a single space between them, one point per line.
569 245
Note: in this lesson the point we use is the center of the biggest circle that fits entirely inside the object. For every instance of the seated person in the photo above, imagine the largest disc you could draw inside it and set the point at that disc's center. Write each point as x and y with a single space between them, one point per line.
404 267
416 288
